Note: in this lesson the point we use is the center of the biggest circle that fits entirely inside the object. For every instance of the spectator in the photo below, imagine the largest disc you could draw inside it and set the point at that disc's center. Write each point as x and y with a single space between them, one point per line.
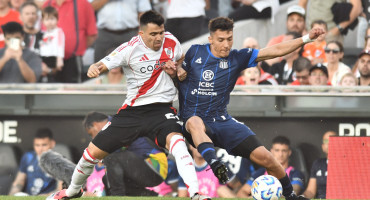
334 53
30 179
208 182
251 42
283 71
29 17
315 51
339 17
142 155
301 71
16 4
257 9
52 44
348 79
318 75
117 22
281 151
363 65
7 15
185 18
17 64
295 23
316 187
114 76
75 46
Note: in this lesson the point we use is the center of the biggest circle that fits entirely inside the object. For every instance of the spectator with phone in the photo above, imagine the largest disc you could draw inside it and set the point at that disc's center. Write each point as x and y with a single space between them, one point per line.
17 64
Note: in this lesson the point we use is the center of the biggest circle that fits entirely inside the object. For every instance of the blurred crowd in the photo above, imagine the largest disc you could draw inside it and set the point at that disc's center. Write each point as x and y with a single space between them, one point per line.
55 41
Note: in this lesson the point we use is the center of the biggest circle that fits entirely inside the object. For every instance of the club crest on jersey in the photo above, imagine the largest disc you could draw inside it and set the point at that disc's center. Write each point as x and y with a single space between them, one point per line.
208 75
169 52
223 64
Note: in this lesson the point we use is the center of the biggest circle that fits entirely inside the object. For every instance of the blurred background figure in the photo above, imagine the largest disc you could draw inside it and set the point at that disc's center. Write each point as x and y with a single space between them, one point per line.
316 187
281 150
334 53
31 180
318 75
32 35
185 19
315 51
348 79
7 14
254 9
301 71
283 70
117 22
76 42
18 64
52 45
340 16
363 67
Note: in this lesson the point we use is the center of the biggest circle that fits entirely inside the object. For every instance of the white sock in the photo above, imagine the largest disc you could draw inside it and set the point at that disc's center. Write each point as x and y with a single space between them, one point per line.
83 170
185 164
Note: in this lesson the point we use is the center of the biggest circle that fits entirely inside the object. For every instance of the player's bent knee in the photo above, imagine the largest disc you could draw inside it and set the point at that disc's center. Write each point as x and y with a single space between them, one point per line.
263 157
194 123
95 152
170 136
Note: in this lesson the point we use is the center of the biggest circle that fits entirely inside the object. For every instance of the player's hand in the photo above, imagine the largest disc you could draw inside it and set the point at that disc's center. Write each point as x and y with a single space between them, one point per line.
94 70
315 33
170 68
181 74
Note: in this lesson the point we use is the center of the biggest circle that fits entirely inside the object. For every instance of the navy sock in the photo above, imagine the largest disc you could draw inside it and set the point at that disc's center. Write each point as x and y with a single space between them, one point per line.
208 152
287 186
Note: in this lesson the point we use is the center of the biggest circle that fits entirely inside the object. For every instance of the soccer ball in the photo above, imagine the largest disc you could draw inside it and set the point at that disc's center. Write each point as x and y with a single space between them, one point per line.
266 187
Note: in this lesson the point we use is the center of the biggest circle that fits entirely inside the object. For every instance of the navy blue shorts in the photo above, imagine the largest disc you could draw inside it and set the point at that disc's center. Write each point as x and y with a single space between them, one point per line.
225 133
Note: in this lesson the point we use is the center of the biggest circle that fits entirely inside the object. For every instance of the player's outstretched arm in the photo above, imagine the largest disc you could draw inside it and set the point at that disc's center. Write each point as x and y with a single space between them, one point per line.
96 69
288 46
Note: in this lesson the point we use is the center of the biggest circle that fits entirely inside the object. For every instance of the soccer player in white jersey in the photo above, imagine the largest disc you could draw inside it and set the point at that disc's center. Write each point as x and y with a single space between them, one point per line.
147 110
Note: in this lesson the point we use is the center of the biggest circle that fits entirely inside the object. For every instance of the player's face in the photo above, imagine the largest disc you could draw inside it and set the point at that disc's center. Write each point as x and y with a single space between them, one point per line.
221 43
325 141
364 66
40 145
29 16
152 35
281 152
295 23
95 129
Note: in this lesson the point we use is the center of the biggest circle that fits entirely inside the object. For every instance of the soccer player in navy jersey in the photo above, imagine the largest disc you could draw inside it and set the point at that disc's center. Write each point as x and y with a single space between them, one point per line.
211 71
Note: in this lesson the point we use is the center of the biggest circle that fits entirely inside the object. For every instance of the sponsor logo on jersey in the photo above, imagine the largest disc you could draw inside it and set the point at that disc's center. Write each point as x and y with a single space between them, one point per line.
223 64
150 68
107 58
144 58
199 60
208 75
184 63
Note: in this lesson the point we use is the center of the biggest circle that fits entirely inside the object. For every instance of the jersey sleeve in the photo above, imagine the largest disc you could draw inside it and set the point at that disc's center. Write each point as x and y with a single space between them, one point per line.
24 163
189 56
247 57
118 58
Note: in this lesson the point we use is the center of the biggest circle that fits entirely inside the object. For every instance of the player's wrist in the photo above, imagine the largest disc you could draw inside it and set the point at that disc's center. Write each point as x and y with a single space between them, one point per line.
306 39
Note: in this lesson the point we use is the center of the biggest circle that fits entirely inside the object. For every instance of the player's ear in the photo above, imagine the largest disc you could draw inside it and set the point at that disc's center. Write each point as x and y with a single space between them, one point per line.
141 33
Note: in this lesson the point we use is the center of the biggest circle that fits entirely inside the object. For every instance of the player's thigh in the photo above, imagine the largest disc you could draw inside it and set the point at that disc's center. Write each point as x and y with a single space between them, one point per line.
230 133
161 122
189 137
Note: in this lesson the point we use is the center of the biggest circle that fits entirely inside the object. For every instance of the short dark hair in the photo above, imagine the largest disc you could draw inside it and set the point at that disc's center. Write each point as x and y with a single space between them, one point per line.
12 27
301 63
281 140
339 44
92 117
294 34
319 22
44 133
151 16
50 11
28 3
220 23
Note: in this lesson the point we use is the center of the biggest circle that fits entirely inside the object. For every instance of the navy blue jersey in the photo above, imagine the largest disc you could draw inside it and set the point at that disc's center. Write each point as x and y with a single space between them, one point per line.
206 90
319 171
